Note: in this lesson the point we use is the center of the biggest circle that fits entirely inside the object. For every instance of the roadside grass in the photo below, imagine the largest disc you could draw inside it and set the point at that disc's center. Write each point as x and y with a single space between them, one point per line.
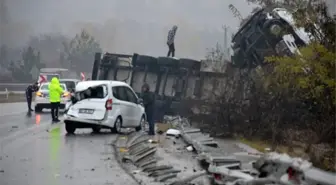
326 162
261 145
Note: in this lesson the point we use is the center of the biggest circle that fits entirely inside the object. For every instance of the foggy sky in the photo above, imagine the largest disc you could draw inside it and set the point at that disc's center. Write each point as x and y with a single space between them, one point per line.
127 26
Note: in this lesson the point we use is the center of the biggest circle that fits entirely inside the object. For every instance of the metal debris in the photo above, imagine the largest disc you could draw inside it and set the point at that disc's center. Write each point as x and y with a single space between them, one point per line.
165 177
162 172
157 168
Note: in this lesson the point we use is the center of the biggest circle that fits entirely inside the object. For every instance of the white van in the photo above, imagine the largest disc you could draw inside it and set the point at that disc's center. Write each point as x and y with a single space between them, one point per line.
105 104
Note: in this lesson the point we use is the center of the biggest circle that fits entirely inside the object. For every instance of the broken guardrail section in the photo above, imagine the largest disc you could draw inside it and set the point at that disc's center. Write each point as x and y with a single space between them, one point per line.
264 168
138 149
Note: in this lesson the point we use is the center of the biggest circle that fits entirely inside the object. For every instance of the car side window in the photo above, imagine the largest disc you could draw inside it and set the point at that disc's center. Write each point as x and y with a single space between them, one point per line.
130 95
119 93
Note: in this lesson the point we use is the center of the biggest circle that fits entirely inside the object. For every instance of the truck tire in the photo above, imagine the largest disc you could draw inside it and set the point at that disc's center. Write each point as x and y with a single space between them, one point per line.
146 60
168 62
95 68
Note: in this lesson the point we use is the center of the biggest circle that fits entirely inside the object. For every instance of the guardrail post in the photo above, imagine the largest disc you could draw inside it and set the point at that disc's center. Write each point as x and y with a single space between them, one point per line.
7 93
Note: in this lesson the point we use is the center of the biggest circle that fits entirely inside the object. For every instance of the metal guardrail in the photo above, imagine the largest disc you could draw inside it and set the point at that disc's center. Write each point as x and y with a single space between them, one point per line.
13 87
11 92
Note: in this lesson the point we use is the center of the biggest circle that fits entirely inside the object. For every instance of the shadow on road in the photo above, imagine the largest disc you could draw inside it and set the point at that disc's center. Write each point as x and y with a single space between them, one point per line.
89 134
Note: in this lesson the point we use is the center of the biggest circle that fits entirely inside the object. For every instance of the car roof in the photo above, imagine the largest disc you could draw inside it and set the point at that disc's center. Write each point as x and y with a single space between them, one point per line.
91 83
65 79
47 83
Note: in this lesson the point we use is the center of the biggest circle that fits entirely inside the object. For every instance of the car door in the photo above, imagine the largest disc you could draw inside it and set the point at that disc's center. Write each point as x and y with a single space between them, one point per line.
121 105
135 112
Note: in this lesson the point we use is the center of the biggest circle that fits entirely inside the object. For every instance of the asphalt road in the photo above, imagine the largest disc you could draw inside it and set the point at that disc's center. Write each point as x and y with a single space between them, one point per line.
34 152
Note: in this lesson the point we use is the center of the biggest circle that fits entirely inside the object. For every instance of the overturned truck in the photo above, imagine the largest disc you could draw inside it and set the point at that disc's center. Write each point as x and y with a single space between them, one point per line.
171 79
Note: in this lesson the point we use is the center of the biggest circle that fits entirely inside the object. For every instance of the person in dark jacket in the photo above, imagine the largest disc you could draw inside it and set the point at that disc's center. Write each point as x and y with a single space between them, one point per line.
29 94
149 104
170 41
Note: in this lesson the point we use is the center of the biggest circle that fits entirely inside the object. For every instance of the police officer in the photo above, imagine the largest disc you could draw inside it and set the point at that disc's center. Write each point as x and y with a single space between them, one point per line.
29 94
55 93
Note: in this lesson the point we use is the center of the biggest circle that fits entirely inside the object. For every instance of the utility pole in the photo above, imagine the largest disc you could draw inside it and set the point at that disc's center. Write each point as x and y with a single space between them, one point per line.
225 44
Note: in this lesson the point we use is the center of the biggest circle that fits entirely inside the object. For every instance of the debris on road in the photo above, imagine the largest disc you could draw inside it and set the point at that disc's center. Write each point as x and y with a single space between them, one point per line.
154 163
190 148
152 141
173 132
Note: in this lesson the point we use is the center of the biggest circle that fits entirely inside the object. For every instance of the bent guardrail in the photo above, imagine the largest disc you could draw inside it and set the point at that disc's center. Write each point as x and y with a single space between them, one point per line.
260 168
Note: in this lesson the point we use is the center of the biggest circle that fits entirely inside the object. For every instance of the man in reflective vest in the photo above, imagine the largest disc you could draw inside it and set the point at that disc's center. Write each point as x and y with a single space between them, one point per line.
55 93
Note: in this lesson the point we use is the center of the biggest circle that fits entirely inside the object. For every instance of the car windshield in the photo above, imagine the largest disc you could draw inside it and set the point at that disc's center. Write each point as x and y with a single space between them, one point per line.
45 87
98 92
69 84
50 76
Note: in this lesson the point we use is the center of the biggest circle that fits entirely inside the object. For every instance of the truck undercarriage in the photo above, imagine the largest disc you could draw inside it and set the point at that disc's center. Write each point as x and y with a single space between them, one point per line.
171 79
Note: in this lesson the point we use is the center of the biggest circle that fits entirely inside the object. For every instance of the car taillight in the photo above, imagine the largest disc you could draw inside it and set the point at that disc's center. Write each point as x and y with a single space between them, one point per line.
39 94
290 172
217 176
66 94
108 104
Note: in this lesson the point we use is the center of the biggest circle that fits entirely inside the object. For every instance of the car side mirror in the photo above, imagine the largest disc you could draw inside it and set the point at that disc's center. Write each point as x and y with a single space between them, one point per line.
140 101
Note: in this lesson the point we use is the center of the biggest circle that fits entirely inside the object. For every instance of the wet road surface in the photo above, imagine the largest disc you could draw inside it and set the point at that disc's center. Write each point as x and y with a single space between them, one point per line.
33 152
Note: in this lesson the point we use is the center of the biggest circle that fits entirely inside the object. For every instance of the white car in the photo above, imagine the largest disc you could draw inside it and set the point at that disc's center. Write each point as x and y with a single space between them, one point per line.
70 83
105 104
42 97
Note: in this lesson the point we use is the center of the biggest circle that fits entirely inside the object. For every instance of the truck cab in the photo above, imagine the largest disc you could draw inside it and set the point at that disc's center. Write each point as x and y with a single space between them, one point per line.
267 32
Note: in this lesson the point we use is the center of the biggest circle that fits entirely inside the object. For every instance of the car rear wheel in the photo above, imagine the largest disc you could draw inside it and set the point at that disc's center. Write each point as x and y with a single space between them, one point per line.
70 128
117 126
142 124
96 129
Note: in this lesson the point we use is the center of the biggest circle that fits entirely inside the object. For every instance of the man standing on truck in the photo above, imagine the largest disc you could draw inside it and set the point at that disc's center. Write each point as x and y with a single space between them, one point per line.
170 41
149 103
55 93
29 94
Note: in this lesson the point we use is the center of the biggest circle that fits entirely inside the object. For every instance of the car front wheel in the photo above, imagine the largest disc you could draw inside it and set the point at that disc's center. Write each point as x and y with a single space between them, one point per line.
70 128
142 124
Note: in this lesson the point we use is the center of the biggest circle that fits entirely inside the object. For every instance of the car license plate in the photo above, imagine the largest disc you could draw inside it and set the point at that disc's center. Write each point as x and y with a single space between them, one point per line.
86 111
